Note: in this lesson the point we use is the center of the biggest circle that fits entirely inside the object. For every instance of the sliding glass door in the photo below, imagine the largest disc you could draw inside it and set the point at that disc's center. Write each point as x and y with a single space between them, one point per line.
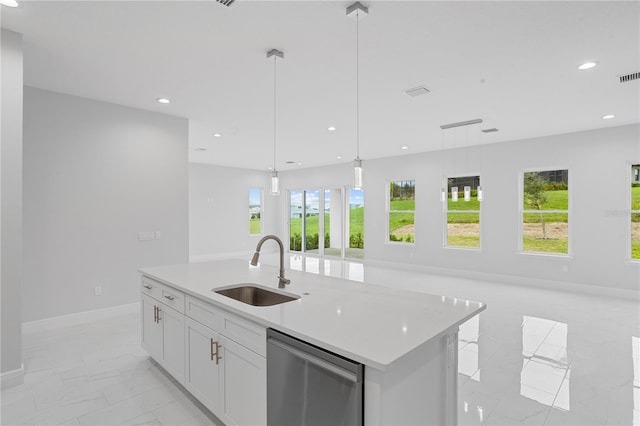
327 222
333 236
355 224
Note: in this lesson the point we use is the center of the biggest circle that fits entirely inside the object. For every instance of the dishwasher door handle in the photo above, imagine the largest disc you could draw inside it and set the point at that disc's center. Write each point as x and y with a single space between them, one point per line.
352 377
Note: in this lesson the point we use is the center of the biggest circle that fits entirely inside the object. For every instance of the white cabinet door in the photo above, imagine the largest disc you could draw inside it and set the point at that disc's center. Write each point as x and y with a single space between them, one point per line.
243 374
151 329
202 377
172 323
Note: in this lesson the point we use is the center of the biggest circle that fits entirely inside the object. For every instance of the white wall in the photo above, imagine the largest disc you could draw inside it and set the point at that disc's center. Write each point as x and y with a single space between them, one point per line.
219 210
598 163
11 205
96 174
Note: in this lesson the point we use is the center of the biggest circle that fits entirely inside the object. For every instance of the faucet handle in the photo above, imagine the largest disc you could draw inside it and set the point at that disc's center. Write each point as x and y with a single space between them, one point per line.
283 281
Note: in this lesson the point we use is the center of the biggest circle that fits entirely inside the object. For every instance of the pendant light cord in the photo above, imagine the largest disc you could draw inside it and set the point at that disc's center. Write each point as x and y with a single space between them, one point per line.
357 85
274 112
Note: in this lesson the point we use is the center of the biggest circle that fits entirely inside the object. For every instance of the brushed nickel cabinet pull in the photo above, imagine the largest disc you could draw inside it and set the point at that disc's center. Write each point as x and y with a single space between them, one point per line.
158 321
155 313
218 357
169 297
147 286
212 354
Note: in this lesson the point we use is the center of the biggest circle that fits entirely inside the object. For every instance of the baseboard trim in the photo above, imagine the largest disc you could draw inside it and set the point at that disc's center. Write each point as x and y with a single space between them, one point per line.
593 290
12 378
78 318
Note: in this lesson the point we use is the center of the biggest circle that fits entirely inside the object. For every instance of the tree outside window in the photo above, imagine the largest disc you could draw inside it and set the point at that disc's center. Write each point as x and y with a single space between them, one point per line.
545 212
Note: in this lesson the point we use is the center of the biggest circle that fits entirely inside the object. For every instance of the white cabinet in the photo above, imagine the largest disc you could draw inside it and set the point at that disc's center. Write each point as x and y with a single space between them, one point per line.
203 358
172 341
244 380
219 357
163 335
229 378
151 330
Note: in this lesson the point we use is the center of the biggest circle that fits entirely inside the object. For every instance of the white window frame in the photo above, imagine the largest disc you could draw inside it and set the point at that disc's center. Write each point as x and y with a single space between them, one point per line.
389 211
445 210
522 211
629 177
261 211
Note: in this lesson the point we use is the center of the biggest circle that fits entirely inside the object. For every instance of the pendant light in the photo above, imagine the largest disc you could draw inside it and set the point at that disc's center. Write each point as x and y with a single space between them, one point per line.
275 181
357 11
466 189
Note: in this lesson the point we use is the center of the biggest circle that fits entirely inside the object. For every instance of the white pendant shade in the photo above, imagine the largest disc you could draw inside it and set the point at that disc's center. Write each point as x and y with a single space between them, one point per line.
357 174
275 183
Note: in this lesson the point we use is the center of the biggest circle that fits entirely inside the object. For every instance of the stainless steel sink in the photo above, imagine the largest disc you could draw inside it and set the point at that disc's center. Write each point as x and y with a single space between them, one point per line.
255 295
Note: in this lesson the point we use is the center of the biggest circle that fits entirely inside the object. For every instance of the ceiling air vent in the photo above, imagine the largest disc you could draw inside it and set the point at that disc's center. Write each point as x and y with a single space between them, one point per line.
226 2
629 77
417 91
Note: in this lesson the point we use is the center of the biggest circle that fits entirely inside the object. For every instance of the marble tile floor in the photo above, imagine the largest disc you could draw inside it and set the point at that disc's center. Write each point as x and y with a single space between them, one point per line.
534 357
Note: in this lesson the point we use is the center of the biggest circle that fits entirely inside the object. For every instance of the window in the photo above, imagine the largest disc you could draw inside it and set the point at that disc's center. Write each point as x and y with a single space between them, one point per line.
463 212
255 211
295 220
545 212
402 205
327 222
355 224
635 212
304 221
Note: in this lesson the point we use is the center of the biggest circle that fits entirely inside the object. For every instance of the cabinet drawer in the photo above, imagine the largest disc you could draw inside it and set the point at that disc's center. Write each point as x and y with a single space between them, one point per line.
173 298
151 288
203 313
246 333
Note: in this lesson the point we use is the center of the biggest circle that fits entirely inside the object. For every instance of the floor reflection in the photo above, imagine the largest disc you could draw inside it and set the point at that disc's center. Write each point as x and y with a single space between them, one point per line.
338 268
535 356
545 371
468 337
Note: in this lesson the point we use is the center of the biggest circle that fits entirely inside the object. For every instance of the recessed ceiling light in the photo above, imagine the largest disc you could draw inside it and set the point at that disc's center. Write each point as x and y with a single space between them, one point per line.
405 147
339 157
587 65
608 117
217 135
9 3
299 164
269 168
163 100
331 128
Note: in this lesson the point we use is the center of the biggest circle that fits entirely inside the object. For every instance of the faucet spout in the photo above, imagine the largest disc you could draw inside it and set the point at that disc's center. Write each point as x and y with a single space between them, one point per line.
282 281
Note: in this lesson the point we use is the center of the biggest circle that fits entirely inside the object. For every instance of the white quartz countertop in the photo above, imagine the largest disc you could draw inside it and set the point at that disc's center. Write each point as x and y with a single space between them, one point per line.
372 324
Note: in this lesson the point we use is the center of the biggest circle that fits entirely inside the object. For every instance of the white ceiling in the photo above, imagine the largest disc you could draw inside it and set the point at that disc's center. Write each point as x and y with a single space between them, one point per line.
513 64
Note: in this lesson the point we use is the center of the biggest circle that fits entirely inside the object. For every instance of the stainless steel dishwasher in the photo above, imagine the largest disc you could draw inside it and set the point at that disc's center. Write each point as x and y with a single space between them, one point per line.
307 385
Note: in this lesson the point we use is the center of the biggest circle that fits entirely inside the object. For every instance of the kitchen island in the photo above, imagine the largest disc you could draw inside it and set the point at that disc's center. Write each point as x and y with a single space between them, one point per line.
406 340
